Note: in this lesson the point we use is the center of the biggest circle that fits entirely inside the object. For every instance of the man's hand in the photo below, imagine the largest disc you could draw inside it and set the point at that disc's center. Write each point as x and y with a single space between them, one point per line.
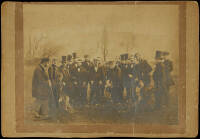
75 83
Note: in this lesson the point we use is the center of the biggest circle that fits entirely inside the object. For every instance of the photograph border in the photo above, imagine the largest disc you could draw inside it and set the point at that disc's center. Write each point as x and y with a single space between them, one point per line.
99 128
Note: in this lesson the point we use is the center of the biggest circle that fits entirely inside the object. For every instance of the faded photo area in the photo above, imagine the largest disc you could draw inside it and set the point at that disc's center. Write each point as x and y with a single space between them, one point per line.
101 63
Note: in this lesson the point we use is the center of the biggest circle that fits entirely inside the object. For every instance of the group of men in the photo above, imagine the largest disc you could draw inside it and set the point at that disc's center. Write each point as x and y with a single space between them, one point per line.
76 82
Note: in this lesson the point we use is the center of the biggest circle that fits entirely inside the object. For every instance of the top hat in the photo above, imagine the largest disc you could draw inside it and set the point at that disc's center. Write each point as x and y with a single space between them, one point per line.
64 58
159 55
121 57
69 57
124 56
74 55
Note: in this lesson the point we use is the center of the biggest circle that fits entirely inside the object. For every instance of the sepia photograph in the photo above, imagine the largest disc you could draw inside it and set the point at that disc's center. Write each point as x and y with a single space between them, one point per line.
100 69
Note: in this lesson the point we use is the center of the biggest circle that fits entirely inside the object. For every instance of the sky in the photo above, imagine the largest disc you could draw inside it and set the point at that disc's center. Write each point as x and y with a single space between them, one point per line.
80 28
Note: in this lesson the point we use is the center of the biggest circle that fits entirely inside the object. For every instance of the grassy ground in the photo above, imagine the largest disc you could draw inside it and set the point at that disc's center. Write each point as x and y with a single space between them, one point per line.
105 113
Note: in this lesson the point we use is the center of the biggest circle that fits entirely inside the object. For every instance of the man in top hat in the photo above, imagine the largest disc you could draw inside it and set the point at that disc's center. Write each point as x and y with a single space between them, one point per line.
169 79
133 79
158 75
74 56
41 88
163 80
126 79
69 59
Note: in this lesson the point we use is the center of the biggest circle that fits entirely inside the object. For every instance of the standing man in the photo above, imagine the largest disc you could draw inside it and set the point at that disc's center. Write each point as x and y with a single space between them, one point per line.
87 65
66 82
79 84
162 78
126 75
75 82
97 83
41 88
133 82
53 76
169 80
159 81
114 77
143 78
81 87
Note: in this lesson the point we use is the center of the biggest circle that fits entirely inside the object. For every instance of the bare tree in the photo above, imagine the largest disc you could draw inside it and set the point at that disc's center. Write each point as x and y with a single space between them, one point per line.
103 47
34 44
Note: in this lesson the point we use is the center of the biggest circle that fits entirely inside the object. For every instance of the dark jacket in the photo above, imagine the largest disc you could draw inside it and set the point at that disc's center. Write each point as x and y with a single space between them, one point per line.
98 75
168 69
79 75
87 69
66 75
162 76
126 70
142 72
114 75
159 75
53 71
40 85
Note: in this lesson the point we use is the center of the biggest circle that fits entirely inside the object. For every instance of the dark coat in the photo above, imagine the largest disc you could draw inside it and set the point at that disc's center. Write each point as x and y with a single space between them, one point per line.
159 75
87 69
40 85
53 71
79 75
142 72
126 70
66 75
162 74
114 75
98 75
168 69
